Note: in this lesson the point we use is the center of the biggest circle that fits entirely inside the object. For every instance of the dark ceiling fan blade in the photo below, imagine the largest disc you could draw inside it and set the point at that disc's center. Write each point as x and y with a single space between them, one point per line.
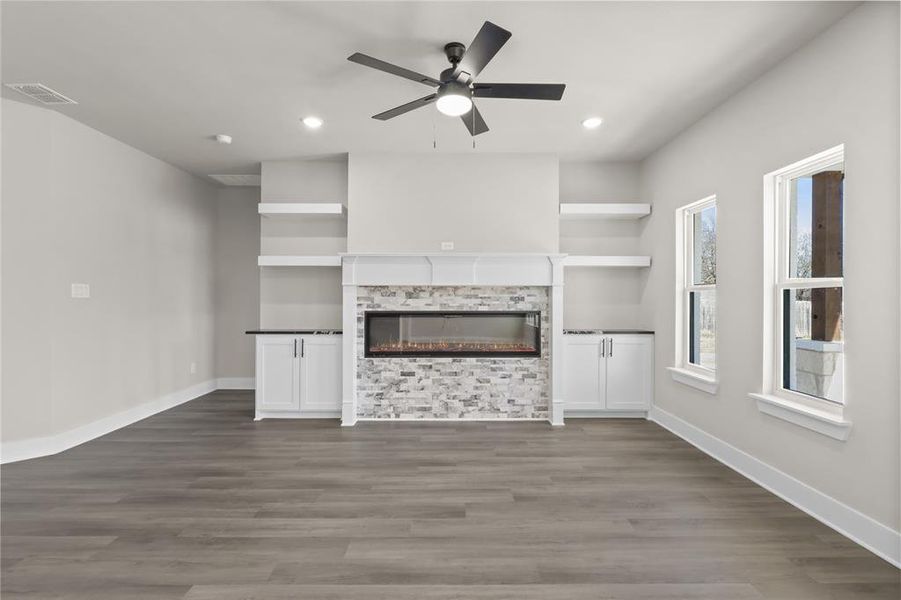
474 121
405 108
524 91
374 63
484 46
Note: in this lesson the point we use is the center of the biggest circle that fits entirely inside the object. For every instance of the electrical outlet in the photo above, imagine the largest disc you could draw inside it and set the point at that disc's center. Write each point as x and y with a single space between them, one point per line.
447 245
193 368
81 290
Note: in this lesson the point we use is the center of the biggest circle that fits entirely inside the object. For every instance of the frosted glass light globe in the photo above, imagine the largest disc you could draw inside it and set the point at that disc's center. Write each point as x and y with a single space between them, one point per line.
454 105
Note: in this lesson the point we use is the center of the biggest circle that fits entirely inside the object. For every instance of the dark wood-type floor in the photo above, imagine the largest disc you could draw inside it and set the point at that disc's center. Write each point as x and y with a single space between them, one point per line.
200 502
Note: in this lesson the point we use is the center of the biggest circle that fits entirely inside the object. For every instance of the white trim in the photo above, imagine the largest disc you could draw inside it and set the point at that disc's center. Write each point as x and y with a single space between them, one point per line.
235 383
820 421
54 444
556 306
856 526
457 268
606 414
695 380
318 414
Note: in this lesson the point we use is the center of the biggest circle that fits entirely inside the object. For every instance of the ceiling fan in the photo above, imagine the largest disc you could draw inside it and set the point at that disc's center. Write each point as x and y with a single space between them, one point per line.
456 85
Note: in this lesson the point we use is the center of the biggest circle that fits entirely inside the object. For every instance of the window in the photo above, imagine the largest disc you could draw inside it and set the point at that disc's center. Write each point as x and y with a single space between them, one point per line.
696 294
804 333
809 240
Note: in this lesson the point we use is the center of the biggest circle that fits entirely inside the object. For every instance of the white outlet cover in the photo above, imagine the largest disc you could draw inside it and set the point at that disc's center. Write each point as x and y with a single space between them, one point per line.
81 290
447 245
193 368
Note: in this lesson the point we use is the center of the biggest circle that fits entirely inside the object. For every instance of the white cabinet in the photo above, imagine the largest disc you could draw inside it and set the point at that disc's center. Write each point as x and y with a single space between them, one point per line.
278 373
583 374
608 372
298 376
320 373
630 372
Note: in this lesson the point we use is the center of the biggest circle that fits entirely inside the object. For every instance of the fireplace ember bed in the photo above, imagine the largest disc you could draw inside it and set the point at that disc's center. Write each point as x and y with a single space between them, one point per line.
452 334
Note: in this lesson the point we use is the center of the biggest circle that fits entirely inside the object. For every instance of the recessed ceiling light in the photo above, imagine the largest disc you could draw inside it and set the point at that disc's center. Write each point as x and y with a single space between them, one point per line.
592 122
312 122
223 139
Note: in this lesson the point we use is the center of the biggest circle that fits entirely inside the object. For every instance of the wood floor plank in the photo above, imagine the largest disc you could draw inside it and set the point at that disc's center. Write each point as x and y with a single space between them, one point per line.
201 502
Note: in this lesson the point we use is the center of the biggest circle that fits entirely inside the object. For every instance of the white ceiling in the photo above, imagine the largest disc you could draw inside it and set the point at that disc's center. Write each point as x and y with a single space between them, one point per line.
166 76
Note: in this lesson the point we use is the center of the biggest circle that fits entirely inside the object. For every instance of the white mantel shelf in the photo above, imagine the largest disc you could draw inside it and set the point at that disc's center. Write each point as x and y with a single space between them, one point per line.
452 268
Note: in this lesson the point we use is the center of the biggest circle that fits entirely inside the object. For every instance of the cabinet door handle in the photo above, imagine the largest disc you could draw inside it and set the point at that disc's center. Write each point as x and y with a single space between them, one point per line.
301 347
603 347
611 348
295 348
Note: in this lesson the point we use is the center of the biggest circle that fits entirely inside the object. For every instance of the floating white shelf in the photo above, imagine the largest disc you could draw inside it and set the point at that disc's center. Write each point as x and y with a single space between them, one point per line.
607 261
603 210
299 209
299 261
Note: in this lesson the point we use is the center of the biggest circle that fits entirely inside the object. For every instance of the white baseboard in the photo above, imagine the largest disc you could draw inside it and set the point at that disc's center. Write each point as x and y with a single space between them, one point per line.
318 414
606 414
856 526
236 383
53 444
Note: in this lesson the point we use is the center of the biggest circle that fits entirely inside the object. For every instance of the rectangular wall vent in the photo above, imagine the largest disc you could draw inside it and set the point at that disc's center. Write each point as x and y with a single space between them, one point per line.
41 93
238 180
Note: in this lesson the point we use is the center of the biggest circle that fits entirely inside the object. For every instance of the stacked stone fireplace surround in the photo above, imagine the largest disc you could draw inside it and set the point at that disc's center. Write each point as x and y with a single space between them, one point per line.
451 387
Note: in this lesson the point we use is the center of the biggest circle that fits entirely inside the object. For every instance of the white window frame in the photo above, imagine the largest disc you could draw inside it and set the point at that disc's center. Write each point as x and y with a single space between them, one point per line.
818 414
684 371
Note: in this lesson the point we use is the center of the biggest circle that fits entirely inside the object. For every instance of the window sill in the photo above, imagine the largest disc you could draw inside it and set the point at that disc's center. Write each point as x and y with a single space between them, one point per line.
830 425
695 380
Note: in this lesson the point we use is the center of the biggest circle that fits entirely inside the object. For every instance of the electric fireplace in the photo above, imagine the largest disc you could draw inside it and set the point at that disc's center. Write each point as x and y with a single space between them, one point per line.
458 334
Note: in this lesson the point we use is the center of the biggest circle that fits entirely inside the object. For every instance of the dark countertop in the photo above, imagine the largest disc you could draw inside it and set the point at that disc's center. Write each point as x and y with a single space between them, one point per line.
606 331
294 332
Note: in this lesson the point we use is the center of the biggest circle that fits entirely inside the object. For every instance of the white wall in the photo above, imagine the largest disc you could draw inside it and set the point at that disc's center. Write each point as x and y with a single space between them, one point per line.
598 298
481 202
841 88
292 297
81 207
237 241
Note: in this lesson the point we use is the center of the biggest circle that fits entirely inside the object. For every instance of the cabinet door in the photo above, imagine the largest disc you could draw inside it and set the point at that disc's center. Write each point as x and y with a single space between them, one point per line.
277 373
583 369
630 361
320 376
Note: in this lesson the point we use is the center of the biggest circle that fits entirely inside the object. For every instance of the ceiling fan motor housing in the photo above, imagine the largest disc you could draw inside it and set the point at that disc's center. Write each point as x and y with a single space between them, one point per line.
454 52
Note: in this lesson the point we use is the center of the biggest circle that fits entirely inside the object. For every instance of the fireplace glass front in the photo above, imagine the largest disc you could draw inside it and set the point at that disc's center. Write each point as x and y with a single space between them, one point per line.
462 334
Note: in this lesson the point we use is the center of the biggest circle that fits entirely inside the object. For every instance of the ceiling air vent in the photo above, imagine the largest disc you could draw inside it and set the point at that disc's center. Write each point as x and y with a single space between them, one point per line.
238 180
41 93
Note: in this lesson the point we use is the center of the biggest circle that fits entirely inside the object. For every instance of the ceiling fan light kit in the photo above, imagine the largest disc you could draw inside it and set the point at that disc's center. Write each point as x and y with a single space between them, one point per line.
456 86
454 99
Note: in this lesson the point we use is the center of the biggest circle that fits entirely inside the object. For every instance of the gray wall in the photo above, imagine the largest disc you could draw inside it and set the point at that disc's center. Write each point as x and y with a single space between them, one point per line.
841 88
597 298
481 202
237 280
81 207
309 296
